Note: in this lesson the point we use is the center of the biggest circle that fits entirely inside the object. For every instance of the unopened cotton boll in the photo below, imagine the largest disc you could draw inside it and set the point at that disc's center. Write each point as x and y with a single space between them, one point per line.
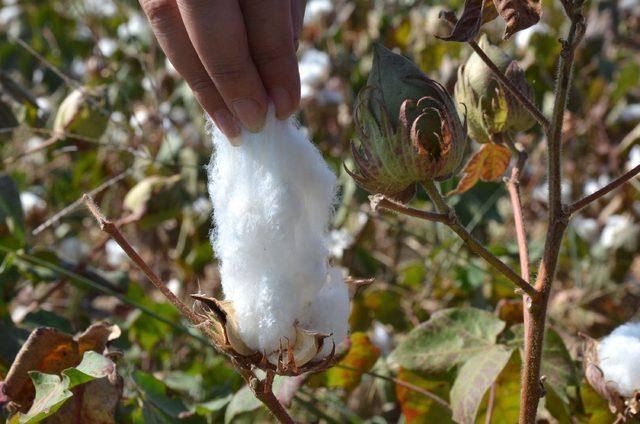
619 354
272 198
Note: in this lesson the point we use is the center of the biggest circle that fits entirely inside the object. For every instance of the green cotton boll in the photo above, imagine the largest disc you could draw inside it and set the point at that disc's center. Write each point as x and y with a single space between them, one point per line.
80 116
408 129
490 108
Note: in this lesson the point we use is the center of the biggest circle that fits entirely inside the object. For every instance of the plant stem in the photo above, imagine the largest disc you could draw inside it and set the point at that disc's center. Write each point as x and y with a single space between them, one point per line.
263 389
380 201
111 229
513 187
587 200
473 244
531 389
524 101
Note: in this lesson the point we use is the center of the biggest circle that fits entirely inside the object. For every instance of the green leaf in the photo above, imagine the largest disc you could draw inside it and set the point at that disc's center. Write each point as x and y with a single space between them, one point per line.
155 392
474 378
52 391
448 339
11 215
506 403
243 401
557 365
214 405
92 366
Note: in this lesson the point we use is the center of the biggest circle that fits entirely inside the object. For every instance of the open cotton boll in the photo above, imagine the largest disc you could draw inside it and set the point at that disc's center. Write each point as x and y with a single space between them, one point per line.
272 197
619 354
329 312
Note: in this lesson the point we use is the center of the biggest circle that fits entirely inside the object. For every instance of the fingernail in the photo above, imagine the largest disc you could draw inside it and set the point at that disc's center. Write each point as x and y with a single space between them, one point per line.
250 113
227 124
282 101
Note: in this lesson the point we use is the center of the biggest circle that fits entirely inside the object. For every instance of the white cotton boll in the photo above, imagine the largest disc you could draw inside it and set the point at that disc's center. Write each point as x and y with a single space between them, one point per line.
595 184
272 197
523 38
634 158
586 228
620 231
339 241
382 338
314 71
316 11
115 255
73 250
619 353
31 202
329 312
541 192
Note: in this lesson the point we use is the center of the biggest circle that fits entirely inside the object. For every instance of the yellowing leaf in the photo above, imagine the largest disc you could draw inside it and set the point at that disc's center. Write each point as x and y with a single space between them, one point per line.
496 161
418 408
361 357
487 164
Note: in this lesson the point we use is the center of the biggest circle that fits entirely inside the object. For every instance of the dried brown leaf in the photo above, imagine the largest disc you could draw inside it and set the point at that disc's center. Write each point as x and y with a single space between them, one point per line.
474 14
518 14
50 351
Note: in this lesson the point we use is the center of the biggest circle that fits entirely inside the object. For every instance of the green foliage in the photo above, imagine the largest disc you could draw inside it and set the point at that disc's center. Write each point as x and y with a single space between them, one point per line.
52 391
431 319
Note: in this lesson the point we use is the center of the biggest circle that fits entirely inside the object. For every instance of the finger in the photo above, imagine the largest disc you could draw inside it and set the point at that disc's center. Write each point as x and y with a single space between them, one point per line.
217 30
297 17
172 36
270 34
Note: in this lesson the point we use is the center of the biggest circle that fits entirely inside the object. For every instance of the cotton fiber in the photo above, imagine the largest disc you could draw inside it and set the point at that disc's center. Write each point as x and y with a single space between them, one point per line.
619 355
272 198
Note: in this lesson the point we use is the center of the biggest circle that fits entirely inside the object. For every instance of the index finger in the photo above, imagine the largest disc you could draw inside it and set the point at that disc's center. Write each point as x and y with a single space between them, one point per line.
217 31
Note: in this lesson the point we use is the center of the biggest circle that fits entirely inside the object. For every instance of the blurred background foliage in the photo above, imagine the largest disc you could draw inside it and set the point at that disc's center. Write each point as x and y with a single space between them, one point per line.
88 103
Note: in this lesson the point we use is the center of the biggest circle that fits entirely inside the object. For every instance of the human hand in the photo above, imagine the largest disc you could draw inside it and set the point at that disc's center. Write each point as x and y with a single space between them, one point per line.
236 55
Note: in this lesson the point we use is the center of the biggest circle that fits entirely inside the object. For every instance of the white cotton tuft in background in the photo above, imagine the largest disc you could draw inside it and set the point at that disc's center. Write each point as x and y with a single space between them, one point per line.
619 355
272 197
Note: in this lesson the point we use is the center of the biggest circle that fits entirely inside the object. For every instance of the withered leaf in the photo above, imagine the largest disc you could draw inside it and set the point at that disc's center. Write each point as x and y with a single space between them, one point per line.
518 14
50 351
474 14
487 164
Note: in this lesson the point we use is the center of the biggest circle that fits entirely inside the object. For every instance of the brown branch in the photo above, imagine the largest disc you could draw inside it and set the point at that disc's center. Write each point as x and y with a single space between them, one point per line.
532 390
263 389
474 245
587 200
380 201
111 229
513 187
502 78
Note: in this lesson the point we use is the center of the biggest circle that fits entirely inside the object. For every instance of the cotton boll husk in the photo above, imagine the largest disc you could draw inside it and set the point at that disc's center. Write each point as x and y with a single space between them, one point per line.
619 354
272 196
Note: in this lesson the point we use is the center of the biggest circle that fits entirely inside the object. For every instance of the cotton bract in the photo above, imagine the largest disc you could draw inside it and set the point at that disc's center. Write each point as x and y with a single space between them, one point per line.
272 197
619 353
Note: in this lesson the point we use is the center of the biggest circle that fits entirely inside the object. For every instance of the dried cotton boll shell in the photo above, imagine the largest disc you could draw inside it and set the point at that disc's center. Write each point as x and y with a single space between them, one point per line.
619 354
272 196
